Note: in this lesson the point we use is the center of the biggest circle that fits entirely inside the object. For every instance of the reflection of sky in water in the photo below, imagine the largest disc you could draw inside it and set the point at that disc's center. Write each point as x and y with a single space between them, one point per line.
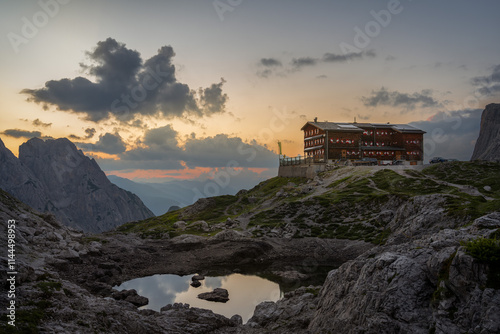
245 292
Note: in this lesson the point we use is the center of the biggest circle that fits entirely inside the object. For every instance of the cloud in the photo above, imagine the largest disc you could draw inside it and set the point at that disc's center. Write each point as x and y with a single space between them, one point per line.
212 99
489 85
89 134
340 58
451 134
160 149
270 62
38 122
274 66
219 150
298 63
383 97
127 87
17 133
108 143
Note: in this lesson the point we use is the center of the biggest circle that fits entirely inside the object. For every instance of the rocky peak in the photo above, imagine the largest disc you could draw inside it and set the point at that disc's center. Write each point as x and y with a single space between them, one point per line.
488 144
54 176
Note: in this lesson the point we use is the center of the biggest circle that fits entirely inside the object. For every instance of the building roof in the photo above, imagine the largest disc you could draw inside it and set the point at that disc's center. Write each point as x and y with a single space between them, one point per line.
360 127
334 126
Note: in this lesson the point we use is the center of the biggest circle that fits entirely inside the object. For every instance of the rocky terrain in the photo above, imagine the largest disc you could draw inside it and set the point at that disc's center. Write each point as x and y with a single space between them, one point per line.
412 251
488 144
54 176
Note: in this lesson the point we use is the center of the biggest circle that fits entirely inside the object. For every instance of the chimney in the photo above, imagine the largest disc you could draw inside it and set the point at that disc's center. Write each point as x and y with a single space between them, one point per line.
315 119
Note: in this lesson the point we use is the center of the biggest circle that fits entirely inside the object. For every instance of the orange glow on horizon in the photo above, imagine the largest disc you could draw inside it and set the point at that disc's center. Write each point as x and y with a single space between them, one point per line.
182 174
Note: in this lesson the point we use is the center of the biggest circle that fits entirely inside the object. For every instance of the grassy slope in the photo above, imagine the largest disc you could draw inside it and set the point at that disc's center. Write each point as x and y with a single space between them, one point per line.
351 206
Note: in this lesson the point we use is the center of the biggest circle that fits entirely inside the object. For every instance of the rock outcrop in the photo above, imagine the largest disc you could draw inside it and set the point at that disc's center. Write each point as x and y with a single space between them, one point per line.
54 176
428 285
488 144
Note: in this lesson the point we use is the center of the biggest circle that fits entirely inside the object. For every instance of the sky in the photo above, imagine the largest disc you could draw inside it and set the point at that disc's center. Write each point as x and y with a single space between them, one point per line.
199 89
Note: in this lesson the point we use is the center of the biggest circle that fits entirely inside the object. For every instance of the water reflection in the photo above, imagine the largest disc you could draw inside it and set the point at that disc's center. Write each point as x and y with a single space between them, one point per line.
245 292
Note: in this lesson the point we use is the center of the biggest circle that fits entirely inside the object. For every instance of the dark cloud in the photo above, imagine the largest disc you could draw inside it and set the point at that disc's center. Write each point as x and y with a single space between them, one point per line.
17 133
89 134
340 58
451 134
274 66
107 143
298 63
217 151
490 84
270 62
127 87
212 99
383 97
38 122
160 149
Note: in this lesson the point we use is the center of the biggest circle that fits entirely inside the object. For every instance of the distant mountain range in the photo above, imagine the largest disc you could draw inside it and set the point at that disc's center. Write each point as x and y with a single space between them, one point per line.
159 197
54 176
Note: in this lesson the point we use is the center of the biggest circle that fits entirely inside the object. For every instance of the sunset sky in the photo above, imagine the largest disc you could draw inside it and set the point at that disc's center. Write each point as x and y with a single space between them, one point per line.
179 89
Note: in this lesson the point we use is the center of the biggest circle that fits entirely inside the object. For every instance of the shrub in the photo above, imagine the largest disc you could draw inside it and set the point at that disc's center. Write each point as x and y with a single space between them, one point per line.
483 249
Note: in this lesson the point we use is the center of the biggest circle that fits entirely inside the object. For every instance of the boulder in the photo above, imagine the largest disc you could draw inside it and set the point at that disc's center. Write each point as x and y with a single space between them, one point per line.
198 278
180 225
200 225
218 295
130 296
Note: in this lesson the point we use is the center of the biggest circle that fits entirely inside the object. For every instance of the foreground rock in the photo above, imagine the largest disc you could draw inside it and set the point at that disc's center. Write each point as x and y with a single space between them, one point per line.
488 144
218 295
50 303
429 285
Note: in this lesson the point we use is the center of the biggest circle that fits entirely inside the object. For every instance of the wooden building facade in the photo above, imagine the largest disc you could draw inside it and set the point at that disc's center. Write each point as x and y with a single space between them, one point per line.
325 141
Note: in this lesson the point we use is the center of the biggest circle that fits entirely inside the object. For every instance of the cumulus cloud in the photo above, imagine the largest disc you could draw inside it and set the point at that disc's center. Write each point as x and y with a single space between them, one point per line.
128 87
160 149
107 143
488 85
17 133
212 99
384 97
451 134
218 150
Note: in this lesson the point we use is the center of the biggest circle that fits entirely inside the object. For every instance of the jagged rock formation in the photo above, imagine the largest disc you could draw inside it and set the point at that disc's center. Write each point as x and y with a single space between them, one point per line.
428 285
54 176
488 144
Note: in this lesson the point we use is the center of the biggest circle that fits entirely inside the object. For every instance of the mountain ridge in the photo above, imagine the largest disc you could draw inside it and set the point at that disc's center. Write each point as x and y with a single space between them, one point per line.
54 176
488 143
